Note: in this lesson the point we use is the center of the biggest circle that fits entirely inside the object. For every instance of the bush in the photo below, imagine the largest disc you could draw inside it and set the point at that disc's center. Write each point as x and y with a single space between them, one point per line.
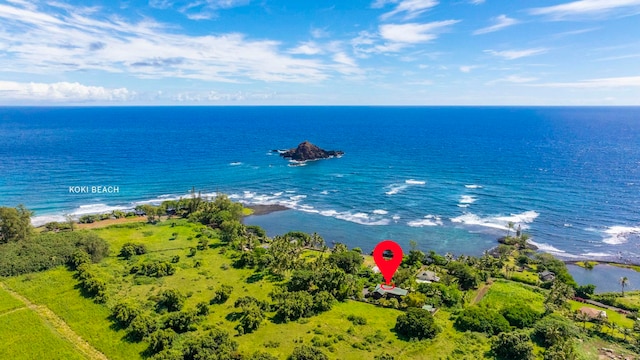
160 340
156 269
203 308
78 258
306 352
553 330
141 327
481 319
172 300
250 320
292 305
130 249
221 295
357 320
261 355
521 315
417 323
181 321
214 345
124 313
513 345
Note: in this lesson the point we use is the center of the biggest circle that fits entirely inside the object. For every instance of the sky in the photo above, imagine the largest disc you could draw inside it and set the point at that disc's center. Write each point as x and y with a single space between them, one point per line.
319 52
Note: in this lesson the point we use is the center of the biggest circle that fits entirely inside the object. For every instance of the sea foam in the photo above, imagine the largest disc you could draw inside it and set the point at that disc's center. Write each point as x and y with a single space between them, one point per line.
429 220
617 235
497 222
414 182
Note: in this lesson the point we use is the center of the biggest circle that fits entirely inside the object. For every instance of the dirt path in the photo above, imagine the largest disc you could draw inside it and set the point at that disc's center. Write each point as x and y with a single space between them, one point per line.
59 325
481 293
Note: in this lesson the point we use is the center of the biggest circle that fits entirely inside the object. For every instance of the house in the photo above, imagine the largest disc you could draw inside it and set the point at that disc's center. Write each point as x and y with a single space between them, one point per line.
427 277
592 313
376 270
388 292
547 276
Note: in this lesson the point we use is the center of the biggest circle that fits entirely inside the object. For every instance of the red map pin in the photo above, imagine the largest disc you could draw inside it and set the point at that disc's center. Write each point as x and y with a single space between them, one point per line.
387 267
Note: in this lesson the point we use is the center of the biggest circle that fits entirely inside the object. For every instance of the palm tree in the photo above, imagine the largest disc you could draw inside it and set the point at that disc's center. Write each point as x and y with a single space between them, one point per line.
624 281
510 225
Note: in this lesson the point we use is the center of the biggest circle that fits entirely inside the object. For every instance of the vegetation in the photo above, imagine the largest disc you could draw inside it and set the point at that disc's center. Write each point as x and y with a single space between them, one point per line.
203 285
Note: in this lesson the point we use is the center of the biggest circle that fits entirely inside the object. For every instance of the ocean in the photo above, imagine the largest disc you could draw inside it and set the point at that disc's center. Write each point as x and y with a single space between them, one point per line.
449 178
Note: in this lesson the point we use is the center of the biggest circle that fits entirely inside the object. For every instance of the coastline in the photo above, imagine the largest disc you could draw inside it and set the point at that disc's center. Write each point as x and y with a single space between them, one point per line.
258 210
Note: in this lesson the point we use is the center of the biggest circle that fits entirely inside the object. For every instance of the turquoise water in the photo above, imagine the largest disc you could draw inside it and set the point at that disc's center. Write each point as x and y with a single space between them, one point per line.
449 178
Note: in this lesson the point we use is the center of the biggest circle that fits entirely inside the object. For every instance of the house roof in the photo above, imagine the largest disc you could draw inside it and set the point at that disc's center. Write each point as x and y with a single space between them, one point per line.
428 276
593 313
394 291
547 273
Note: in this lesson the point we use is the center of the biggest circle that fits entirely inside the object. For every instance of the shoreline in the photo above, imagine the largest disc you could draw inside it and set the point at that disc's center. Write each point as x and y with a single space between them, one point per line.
266 209
595 263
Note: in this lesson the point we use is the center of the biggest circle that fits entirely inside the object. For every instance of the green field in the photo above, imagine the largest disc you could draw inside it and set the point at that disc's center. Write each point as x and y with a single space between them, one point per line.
8 302
504 294
26 336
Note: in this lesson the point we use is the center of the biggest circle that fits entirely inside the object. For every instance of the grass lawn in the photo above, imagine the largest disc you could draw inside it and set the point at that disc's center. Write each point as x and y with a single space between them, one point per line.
8 302
25 336
505 293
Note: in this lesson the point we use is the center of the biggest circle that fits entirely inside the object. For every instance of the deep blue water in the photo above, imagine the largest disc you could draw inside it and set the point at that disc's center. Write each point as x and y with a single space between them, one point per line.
449 178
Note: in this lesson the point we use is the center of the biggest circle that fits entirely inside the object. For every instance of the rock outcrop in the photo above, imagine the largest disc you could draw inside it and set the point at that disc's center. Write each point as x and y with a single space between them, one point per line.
307 151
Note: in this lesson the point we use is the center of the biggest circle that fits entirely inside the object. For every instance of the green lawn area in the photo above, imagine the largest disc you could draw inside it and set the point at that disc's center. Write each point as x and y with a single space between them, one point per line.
25 336
505 293
56 290
8 302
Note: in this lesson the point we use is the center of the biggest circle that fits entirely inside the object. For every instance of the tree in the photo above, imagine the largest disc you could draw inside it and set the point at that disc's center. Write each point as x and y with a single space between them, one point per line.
480 319
292 305
181 321
261 355
15 224
306 352
585 291
510 225
624 281
512 345
142 326
160 340
466 275
221 295
214 345
417 324
348 261
416 299
552 330
251 318
559 295
172 299
125 312
520 315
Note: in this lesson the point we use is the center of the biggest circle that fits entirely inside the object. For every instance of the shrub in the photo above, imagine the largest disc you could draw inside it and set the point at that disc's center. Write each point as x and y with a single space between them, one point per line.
513 345
221 295
157 269
160 340
521 315
306 352
130 249
125 312
181 321
172 300
481 319
141 327
357 320
553 330
202 308
417 323
214 345
78 258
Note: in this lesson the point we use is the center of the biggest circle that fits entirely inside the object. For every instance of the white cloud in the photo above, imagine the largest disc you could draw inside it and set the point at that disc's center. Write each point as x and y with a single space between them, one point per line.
596 8
414 32
306 48
318 33
410 8
501 22
612 82
514 79
198 9
477 2
516 54
468 68
61 92
37 42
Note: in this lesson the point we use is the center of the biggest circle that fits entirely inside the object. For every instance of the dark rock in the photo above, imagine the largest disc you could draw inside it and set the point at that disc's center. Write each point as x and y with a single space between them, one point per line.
307 151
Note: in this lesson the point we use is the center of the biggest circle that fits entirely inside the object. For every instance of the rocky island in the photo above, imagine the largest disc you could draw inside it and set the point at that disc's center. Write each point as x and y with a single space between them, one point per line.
307 151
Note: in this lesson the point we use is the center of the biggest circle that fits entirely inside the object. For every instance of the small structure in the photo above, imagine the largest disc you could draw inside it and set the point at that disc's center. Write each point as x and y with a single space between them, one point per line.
376 269
388 293
427 277
429 308
547 276
592 313
140 213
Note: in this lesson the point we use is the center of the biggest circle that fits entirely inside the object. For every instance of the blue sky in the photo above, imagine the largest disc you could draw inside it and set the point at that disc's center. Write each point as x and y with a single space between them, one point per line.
355 52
